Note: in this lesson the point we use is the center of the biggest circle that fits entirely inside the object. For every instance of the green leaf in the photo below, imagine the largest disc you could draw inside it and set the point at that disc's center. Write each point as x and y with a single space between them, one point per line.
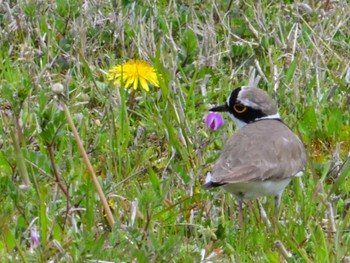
57 233
345 172
335 122
291 70
308 123
320 240
9 238
154 180
42 215
190 41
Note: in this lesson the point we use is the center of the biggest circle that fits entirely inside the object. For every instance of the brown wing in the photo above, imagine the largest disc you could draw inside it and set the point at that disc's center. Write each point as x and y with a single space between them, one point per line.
263 150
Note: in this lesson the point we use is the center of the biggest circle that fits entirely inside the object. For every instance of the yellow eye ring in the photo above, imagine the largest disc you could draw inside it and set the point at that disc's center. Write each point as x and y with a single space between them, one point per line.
239 108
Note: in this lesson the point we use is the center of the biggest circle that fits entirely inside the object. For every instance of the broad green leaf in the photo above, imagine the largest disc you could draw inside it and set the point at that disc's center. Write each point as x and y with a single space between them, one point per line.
291 70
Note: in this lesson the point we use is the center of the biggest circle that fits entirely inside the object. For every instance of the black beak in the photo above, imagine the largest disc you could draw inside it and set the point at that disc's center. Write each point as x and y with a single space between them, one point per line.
220 108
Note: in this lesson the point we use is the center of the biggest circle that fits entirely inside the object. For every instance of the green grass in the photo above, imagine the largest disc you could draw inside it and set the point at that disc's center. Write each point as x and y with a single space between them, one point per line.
151 152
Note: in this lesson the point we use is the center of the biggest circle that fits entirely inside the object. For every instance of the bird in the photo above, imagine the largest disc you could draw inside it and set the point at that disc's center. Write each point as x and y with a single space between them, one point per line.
263 156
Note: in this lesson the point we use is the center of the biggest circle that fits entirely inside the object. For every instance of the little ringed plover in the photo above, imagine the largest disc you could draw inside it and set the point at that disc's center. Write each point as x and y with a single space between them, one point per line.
263 156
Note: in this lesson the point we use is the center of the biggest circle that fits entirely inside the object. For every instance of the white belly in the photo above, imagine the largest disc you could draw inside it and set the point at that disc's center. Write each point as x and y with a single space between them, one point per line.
254 189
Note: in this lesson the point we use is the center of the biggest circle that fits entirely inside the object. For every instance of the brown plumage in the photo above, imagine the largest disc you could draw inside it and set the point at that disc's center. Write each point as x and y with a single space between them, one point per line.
267 145
261 151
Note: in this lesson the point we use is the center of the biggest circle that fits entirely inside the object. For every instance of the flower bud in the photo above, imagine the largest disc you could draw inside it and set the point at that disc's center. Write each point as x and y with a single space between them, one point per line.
34 237
214 121
57 88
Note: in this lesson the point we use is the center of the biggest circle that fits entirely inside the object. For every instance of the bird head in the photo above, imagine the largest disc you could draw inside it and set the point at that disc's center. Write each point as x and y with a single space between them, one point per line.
248 104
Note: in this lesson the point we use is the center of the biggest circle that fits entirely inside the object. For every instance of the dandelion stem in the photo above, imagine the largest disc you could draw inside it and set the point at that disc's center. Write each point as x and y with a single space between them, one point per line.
89 167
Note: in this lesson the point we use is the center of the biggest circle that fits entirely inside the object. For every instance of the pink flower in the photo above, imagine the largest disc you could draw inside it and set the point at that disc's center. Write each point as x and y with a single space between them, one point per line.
214 121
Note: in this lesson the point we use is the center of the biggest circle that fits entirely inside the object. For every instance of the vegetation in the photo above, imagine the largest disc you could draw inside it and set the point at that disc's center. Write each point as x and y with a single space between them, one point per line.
151 151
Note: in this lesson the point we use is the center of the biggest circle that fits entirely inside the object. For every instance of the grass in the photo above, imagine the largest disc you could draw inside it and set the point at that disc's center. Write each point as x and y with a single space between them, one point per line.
152 151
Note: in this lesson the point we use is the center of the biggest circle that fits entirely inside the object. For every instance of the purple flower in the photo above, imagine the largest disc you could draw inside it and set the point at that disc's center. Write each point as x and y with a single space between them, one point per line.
214 121
60 107
34 237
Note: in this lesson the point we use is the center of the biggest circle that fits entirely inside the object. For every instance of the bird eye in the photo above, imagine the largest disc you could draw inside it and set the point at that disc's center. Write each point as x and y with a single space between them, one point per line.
239 108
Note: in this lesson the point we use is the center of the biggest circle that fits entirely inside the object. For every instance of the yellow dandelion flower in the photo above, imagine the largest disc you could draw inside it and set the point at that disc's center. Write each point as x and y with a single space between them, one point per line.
134 72
111 206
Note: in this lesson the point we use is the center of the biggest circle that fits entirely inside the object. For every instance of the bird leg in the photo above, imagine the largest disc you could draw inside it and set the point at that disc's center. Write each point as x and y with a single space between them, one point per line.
277 205
240 212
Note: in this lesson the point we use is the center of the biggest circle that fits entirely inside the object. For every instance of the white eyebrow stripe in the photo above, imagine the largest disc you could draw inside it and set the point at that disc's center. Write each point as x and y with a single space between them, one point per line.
248 103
